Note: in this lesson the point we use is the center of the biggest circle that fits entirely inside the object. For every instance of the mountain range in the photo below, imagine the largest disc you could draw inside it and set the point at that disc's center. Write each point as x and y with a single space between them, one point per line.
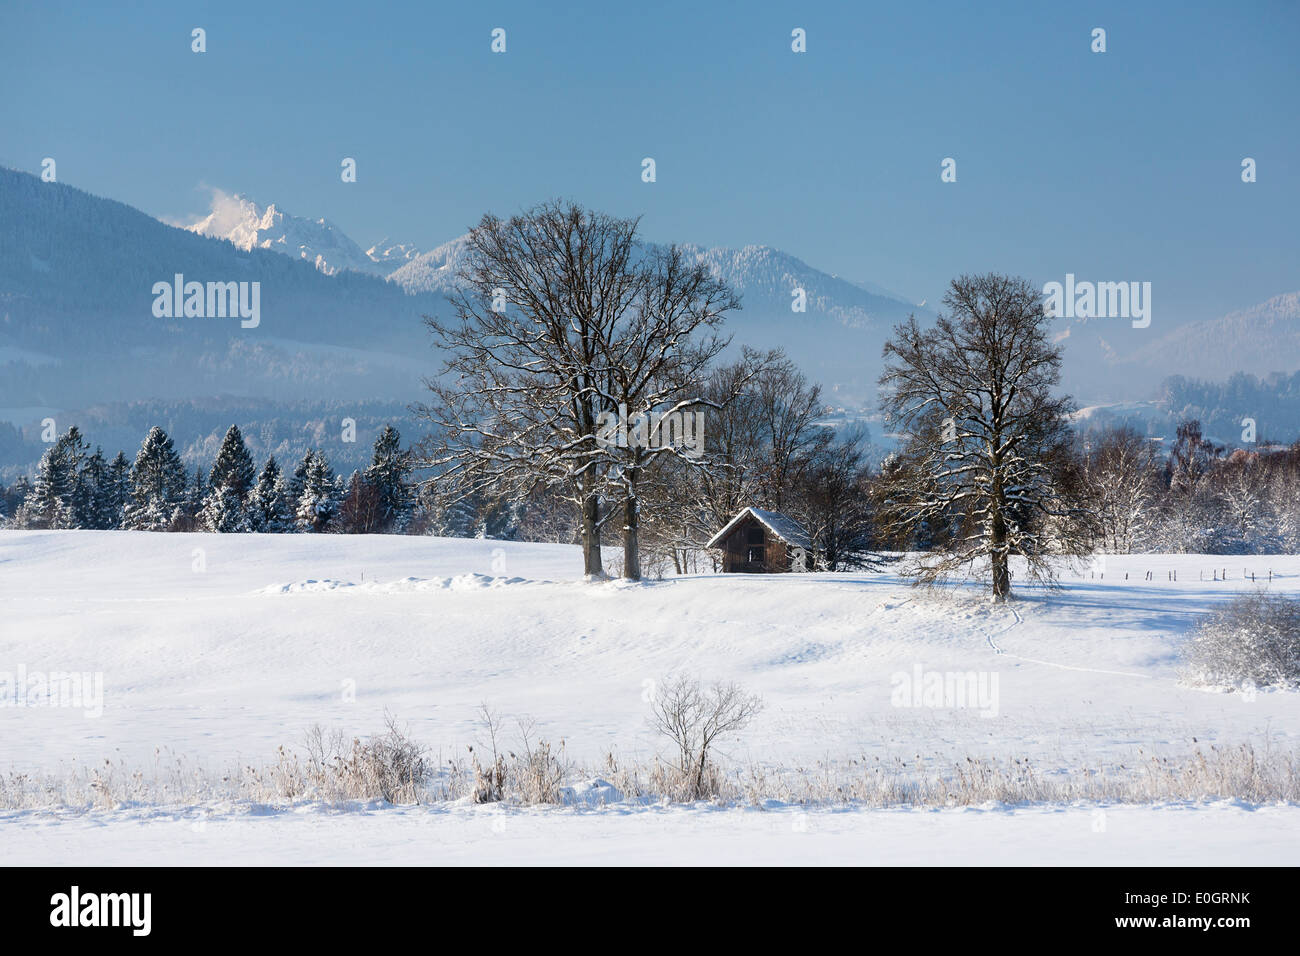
340 323
846 319
1105 355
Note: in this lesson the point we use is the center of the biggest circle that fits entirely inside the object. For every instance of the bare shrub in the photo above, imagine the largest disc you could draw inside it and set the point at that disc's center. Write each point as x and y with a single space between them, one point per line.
656 562
489 781
538 773
626 778
1252 640
533 775
695 718
389 767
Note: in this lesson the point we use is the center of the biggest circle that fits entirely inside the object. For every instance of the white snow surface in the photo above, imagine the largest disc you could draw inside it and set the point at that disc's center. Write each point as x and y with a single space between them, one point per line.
224 647
1173 835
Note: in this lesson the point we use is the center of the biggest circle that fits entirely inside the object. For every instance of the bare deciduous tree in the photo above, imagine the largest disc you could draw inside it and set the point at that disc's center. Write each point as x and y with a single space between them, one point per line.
564 319
833 503
1189 510
1191 459
984 431
653 364
788 409
516 406
1123 482
695 718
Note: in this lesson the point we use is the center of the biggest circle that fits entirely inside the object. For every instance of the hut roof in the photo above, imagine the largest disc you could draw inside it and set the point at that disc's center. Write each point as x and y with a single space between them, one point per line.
783 526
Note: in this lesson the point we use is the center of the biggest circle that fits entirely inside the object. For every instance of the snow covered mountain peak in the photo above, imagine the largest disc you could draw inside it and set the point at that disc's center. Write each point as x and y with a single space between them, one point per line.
433 271
386 252
248 225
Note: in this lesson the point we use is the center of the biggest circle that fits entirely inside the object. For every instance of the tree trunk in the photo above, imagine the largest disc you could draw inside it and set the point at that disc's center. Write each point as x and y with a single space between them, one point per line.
592 565
1001 571
697 786
631 530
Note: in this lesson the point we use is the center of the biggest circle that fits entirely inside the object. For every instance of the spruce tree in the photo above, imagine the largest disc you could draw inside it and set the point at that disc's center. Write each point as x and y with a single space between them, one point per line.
280 517
234 465
157 484
387 475
118 492
191 508
85 491
318 503
58 499
94 495
225 508
296 482
22 510
268 507
225 512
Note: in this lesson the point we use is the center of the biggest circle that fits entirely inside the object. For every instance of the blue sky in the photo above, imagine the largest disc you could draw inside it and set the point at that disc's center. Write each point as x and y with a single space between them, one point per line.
1122 165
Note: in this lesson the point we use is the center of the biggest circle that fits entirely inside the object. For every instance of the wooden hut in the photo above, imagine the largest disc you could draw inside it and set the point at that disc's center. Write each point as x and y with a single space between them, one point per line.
763 542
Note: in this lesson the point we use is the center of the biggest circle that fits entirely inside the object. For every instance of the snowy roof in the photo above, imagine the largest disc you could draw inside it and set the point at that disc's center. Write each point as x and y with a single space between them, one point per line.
783 526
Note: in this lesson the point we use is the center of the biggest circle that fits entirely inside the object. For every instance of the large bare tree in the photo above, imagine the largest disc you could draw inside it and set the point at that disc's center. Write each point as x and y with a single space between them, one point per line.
654 362
569 331
516 406
984 433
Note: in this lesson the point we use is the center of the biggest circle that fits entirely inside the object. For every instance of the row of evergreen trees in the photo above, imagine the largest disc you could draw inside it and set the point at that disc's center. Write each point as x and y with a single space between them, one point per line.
75 488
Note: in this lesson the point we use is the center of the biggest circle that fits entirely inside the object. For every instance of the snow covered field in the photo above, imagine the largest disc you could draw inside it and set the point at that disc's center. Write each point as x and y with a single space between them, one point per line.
491 835
221 648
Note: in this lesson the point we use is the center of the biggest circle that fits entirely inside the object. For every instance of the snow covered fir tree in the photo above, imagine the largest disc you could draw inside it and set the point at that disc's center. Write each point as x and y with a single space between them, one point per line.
226 506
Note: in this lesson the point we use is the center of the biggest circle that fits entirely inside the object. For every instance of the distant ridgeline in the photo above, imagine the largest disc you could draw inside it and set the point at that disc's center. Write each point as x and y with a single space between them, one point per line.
1273 403
1244 411
79 320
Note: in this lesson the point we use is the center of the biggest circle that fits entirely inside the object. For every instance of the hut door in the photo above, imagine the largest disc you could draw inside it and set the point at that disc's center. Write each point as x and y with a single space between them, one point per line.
755 550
